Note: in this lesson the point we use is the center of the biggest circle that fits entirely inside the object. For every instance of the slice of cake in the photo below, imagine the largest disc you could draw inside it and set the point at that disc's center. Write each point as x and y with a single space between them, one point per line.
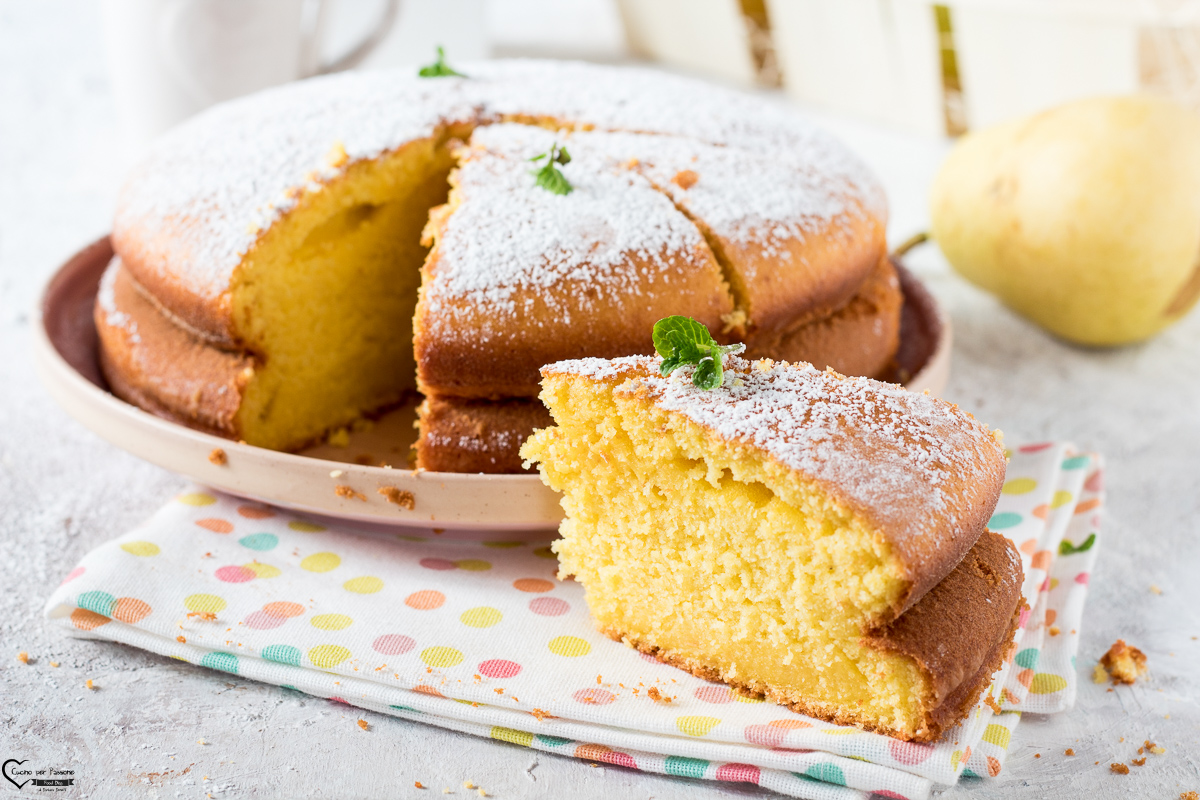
816 539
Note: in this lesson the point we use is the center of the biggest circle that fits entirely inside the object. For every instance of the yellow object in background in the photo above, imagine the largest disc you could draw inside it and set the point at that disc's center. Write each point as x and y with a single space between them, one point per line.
1085 218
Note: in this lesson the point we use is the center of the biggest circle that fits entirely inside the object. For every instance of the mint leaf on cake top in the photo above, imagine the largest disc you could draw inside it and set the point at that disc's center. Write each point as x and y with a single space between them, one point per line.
683 340
549 176
439 68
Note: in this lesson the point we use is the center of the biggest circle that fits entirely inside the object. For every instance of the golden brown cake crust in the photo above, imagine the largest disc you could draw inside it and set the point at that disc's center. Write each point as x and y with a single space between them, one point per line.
462 435
152 362
861 338
959 631
959 635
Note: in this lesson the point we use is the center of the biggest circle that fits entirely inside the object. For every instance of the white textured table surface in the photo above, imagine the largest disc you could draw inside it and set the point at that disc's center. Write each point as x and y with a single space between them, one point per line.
63 491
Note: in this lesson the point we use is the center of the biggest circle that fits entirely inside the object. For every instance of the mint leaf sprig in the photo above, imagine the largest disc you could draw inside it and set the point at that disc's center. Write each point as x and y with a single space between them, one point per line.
549 177
683 340
1065 548
439 68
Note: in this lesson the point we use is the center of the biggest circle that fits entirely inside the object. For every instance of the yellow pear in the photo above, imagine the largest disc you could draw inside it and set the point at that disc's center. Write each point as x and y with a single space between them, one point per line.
1085 218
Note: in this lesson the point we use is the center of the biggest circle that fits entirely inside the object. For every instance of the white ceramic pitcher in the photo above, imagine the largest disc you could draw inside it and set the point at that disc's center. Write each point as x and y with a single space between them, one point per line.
169 59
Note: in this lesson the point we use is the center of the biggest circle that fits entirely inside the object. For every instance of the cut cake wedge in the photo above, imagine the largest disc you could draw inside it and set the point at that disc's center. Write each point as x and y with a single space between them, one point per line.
815 539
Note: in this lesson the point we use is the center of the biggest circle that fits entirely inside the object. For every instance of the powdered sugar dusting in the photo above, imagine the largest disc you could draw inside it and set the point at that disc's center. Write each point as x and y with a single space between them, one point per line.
762 196
914 464
613 234
208 188
106 299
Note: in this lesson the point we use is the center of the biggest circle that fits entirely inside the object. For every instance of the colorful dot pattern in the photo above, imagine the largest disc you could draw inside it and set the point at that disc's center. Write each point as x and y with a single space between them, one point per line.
405 626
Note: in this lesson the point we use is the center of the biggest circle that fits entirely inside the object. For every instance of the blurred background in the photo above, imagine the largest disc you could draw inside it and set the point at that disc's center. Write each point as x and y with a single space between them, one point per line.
930 68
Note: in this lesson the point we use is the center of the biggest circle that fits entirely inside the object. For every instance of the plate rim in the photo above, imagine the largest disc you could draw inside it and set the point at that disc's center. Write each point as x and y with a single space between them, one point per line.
73 391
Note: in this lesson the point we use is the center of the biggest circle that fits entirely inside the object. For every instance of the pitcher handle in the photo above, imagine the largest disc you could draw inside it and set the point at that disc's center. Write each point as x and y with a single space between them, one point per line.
310 63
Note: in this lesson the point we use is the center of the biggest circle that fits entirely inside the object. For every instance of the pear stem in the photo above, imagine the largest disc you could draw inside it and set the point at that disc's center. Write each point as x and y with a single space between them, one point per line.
910 243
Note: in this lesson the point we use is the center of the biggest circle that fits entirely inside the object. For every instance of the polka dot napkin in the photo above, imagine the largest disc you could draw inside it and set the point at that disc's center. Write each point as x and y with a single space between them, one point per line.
482 638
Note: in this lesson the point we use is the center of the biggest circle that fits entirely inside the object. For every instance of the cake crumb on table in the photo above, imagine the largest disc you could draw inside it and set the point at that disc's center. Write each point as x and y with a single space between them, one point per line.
201 742
1155 589
1124 663
1153 748
23 657
1099 674
91 685
54 664
1138 762
362 723
468 785
207 616
404 499
1054 630
218 457
1189 796
418 785
181 639
347 492
1119 769
1070 751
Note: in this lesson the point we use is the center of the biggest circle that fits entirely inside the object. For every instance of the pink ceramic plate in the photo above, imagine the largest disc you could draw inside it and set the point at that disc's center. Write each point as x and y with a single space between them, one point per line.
480 507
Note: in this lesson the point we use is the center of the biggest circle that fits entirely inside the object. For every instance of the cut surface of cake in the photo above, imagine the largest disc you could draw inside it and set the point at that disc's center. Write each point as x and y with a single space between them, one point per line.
282 234
816 539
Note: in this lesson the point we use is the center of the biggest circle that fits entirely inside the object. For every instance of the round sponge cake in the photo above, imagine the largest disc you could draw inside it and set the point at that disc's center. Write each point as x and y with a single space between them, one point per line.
284 232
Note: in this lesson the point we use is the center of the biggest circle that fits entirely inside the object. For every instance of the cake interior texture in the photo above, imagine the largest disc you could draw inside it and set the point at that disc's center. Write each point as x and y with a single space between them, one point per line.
724 562
326 298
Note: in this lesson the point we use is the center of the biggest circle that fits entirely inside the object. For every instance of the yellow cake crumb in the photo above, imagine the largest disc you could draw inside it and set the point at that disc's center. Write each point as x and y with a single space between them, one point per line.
1119 769
348 493
400 497
362 723
336 157
1124 663
90 685
23 657
218 457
